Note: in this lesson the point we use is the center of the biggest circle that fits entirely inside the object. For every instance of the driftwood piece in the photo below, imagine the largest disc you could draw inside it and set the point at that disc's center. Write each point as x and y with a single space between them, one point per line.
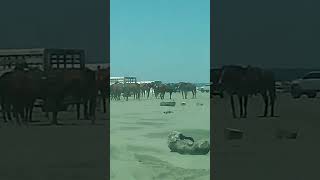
167 103
181 144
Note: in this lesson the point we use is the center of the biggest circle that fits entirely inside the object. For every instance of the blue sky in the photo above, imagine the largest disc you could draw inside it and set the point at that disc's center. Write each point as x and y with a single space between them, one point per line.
166 40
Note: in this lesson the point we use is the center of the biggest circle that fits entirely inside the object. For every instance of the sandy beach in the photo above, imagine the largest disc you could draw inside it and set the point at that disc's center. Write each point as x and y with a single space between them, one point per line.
260 155
74 151
139 131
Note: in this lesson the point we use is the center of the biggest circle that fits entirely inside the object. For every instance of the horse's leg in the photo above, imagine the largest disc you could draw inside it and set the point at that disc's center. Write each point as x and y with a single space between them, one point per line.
17 116
8 111
92 107
104 101
30 113
265 98
232 107
78 110
24 112
3 109
272 100
245 105
20 114
85 109
55 117
31 110
47 114
240 104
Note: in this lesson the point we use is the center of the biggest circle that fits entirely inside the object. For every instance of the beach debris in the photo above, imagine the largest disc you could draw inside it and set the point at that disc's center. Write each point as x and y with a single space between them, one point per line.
232 134
181 144
167 103
168 112
183 103
199 104
281 134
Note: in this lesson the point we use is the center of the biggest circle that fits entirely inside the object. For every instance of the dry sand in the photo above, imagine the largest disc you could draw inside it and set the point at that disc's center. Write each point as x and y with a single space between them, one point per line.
41 152
260 155
138 133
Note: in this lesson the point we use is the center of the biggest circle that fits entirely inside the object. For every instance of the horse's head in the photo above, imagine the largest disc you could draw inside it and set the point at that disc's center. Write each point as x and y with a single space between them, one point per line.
230 74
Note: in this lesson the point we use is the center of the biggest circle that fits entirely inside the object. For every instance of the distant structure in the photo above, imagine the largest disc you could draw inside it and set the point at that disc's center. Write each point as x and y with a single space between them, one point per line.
93 66
123 80
147 82
43 58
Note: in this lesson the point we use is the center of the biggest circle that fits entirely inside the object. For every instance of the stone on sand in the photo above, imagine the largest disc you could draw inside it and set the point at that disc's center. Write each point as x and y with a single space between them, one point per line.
232 134
167 103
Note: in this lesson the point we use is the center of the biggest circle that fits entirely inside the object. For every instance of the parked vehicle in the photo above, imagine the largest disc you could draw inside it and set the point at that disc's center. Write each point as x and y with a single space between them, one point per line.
308 85
205 88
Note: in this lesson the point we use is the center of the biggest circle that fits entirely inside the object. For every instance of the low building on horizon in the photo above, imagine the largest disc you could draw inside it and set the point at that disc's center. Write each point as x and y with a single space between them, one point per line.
124 80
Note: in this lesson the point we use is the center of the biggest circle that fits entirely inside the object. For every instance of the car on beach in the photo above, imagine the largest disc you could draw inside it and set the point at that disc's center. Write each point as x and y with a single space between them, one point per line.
205 88
308 85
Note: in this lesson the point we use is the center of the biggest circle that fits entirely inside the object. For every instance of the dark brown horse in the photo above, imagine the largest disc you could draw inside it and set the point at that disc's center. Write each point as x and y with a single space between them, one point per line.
19 90
116 91
169 88
185 88
245 81
78 84
131 89
145 89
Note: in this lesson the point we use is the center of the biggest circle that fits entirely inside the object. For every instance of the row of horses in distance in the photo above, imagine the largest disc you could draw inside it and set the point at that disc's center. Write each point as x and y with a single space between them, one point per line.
136 90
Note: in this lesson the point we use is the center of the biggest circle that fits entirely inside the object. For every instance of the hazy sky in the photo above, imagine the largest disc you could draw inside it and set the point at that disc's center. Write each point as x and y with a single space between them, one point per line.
166 40
56 24
271 33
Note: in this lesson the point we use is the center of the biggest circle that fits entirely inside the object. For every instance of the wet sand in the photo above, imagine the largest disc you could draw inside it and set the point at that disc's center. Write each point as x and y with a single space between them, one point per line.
138 133
74 151
260 155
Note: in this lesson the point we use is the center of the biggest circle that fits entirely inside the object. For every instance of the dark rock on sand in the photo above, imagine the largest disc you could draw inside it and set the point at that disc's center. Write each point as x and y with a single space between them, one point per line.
168 112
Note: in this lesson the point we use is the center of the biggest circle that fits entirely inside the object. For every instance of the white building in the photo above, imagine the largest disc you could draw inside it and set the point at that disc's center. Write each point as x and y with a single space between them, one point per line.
123 80
144 82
